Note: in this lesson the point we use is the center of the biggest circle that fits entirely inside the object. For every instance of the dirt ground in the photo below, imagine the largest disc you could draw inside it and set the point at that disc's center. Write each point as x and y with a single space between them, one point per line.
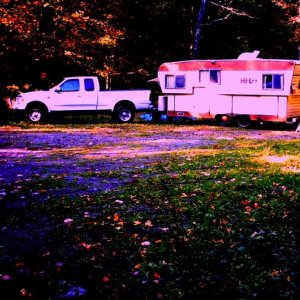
42 163
75 153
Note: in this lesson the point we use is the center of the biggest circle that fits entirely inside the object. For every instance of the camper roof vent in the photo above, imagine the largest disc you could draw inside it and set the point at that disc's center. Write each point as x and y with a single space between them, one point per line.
249 55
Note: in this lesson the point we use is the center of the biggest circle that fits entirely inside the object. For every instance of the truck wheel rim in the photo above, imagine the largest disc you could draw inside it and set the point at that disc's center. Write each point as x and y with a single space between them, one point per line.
125 115
35 116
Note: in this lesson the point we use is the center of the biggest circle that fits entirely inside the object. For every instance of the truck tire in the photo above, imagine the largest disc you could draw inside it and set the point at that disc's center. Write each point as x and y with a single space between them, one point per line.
124 114
36 114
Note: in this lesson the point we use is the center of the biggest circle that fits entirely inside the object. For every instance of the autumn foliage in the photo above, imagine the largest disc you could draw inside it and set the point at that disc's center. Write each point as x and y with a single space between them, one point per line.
125 40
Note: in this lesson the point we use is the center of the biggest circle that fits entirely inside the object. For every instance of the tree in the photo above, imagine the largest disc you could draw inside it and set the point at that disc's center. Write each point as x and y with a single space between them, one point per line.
131 38
291 11
82 33
226 10
266 25
198 28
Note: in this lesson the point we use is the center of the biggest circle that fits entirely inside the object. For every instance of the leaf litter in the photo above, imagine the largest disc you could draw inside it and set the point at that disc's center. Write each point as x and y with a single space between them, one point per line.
120 214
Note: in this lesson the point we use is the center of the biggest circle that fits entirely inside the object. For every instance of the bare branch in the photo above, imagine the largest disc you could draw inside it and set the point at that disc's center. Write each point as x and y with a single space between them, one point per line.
218 20
233 11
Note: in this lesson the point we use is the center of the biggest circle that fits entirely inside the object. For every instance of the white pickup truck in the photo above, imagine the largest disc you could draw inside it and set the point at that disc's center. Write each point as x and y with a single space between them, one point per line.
83 95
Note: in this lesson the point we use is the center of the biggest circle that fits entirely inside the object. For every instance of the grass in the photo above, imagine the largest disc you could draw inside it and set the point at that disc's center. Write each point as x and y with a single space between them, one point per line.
224 222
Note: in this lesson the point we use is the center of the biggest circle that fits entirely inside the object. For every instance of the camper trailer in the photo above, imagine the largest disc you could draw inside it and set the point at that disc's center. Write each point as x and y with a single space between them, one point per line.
245 89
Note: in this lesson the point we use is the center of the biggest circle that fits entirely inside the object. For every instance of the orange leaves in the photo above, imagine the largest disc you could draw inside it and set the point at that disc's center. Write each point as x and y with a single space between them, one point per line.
142 269
26 293
117 220
20 19
116 217
223 221
245 202
148 224
107 40
88 246
285 213
249 206
156 277
78 30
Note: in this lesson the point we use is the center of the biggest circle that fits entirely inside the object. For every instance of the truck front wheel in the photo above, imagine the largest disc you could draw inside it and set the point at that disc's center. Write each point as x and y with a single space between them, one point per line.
36 114
124 114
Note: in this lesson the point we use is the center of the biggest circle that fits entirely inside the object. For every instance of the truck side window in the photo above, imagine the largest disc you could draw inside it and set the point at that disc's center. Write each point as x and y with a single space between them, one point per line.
273 81
89 84
71 85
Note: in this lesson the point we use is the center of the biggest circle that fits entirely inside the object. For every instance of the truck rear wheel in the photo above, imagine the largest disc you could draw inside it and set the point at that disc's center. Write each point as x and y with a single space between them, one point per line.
124 114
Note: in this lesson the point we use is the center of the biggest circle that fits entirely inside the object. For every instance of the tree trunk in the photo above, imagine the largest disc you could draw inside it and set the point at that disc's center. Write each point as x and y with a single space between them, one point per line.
198 29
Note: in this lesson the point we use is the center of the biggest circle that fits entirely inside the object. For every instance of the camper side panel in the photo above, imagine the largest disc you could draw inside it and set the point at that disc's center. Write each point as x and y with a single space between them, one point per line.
293 109
255 105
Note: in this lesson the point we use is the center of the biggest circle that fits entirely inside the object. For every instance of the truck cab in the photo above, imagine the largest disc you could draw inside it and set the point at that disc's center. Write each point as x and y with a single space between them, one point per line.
75 93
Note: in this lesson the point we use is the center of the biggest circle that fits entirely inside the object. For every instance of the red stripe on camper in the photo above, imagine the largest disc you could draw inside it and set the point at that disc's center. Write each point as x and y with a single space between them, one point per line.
163 68
234 65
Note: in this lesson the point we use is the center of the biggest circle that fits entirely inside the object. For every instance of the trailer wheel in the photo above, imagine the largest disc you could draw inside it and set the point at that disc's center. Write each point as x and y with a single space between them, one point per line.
124 114
243 121
223 120
36 114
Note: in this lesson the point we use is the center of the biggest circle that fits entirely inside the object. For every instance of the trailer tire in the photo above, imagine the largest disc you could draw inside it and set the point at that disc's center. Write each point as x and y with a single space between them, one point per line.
36 113
124 113
243 121
223 120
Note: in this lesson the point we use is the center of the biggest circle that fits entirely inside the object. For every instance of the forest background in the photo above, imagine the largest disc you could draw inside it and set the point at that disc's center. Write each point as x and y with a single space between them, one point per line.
124 41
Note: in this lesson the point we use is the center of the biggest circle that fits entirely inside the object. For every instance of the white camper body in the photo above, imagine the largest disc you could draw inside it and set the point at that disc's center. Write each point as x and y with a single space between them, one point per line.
246 89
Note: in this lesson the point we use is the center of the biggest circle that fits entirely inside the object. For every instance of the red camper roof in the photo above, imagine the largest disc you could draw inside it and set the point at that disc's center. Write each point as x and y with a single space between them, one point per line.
228 65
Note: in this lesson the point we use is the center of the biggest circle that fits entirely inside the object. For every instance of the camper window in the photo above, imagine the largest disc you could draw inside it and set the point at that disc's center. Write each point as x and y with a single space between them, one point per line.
175 82
273 81
212 76
215 76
